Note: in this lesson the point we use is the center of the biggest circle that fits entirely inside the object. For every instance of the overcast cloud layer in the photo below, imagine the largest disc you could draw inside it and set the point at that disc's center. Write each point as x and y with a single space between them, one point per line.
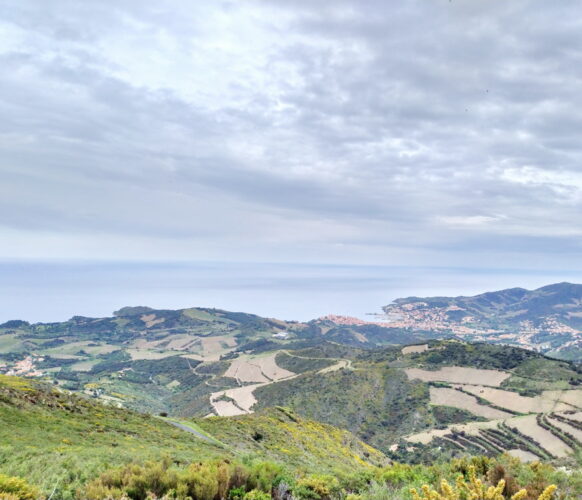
404 133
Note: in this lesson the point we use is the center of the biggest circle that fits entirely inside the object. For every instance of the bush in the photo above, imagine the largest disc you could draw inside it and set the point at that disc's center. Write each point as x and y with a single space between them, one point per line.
15 488
474 489
316 487
257 495
211 480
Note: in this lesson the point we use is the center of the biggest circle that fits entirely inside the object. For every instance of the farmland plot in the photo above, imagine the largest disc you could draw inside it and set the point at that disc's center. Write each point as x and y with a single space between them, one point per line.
566 428
471 428
458 399
213 347
270 369
548 401
528 426
244 371
523 455
459 375
412 349
257 369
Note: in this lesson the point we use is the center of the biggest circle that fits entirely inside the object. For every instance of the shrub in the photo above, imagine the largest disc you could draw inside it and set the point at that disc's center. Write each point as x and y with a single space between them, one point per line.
257 495
316 487
263 476
236 493
378 491
474 489
15 488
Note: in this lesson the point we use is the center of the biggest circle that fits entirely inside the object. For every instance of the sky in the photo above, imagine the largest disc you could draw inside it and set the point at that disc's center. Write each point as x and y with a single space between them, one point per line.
360 148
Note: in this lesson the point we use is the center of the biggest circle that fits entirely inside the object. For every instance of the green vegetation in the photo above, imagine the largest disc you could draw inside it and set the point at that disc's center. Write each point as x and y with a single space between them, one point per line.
374 401
541 373
473 478
59 441
315 436
53 438
297 363
445 415
280 435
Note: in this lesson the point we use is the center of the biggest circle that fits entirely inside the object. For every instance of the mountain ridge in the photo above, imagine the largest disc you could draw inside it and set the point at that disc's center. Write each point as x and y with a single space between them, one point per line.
547 319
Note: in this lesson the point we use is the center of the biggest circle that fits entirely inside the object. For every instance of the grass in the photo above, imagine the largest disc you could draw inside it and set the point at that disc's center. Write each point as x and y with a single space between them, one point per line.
377 403
194 426
47 437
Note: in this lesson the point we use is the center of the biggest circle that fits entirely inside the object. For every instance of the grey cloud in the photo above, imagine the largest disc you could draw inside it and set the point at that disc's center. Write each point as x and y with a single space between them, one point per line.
385 118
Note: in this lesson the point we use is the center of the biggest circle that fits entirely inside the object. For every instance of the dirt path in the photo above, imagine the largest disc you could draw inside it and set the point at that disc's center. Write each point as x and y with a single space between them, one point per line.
186 428
342 363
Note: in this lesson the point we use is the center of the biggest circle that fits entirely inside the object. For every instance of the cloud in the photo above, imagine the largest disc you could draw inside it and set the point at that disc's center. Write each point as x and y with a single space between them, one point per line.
350 131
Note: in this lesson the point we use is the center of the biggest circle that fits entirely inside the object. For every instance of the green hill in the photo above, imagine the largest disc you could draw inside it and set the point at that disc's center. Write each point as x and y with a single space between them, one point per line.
59 440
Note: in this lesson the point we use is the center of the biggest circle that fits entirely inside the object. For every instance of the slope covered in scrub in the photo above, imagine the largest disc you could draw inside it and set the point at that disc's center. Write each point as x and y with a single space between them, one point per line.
55 439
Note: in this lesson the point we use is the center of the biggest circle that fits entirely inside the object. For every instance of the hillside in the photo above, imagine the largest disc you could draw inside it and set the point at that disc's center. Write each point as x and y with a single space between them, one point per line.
548 319
48 435
431 390
59 446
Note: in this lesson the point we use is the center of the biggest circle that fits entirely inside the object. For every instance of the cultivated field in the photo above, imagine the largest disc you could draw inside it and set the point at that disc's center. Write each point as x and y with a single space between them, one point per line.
243 400
471 428
244 371
181 342
528 425
144 354
262 369
151 320
526 430
214 347
412 349
458 399
257 369
459 375
548 401
84 366
577 433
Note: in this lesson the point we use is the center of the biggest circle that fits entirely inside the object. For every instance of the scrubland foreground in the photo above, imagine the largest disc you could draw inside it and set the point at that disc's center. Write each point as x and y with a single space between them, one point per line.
60 446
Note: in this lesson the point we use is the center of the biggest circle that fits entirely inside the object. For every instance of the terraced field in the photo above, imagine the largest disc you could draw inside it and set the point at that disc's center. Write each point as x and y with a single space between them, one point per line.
544 426
548 401
457 399
459 375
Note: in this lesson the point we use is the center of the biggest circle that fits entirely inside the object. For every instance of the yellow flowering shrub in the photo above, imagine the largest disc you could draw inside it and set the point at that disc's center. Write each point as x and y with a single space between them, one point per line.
15 488
473 489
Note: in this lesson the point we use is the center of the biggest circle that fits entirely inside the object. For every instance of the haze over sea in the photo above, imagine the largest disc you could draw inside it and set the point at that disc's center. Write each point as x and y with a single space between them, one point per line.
56 291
